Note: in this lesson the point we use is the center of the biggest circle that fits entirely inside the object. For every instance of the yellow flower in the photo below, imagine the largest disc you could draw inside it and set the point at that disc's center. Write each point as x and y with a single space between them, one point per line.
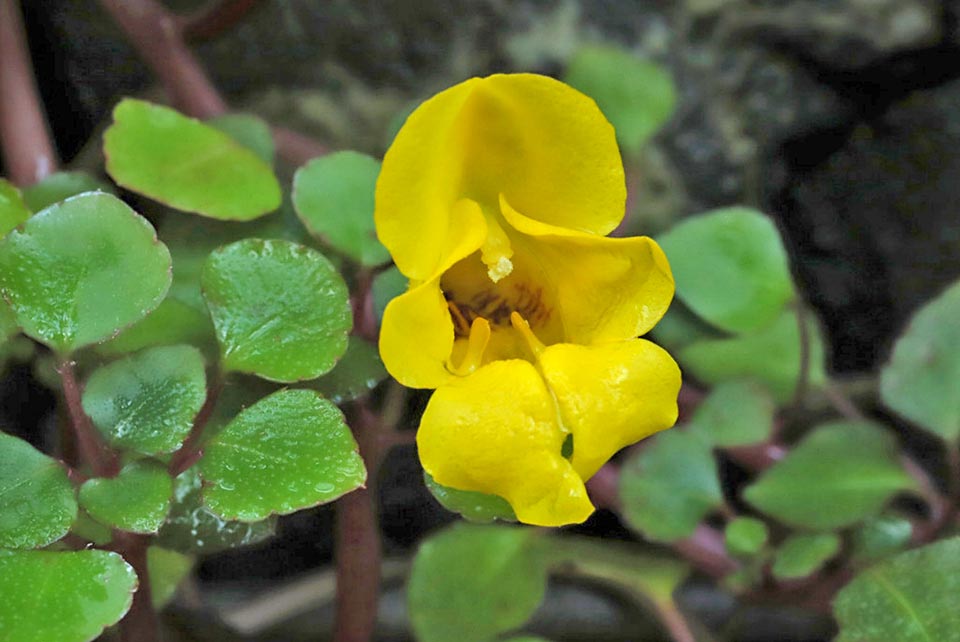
494 200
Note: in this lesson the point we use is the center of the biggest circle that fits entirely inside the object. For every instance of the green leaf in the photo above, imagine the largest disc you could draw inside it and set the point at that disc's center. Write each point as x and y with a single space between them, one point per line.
730 268
356 374
745 536
333 196
37 504
680 327
281 310
167 569
910 598
289 451
473 506
800 555
158 152
387 285
193 528
922 380
662 504
91 530
471 583
248 130
61 186
62 596
838 475
13 211
147 402
735 413
8 322
171 323
136 500
880 537
81 270
637 96
771 356
654 577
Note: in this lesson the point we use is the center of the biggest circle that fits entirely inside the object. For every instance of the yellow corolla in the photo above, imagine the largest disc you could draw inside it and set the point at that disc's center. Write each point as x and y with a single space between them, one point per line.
494 200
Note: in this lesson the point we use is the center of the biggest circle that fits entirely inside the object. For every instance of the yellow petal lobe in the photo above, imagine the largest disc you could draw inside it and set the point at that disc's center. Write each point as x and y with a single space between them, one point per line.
611 395
496 431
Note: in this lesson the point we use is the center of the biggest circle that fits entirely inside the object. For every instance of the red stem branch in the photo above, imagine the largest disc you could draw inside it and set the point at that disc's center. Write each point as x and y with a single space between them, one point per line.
190 451
212 20
357 543
28 150
92 449
153 31
140 624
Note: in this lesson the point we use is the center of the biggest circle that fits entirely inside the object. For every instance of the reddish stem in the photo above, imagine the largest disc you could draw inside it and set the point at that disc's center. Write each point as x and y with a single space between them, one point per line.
191 451
140 624
757 457
27 147
212 20
357 545
706 550
153 31
92 449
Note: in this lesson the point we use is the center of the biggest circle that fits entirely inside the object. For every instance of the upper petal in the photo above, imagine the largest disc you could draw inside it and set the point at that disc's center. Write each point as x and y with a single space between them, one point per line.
543 144
606 289
496 431
611 395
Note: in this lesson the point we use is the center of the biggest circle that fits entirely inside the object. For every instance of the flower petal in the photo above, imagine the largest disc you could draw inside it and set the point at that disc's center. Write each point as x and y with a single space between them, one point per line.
611 395
416 337
607 289
496 431
544 145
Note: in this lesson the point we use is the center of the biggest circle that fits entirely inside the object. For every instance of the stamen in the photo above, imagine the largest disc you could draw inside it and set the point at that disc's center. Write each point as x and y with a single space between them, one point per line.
520 324
476 345
460 324
496 252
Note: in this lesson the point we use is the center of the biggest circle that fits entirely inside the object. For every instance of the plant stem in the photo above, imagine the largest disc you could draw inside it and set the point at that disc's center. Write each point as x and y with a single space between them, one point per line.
190 451
212 20
357 543
140 624
92 449
706 551
27 147
153 31
674 622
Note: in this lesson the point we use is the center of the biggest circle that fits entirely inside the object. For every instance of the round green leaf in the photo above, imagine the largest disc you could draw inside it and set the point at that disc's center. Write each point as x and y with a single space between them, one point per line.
289 451
193 528
13 211
37 504
356 374
158 152
662 504
474 507
910 598
167 569
771 356
248 130
281 310
81 270
333 196
800 555
745 536
838 475
730 268
147 402
922 380
636 95
880 537
61 186
471 583
735 413
171 323
62 596
136 500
